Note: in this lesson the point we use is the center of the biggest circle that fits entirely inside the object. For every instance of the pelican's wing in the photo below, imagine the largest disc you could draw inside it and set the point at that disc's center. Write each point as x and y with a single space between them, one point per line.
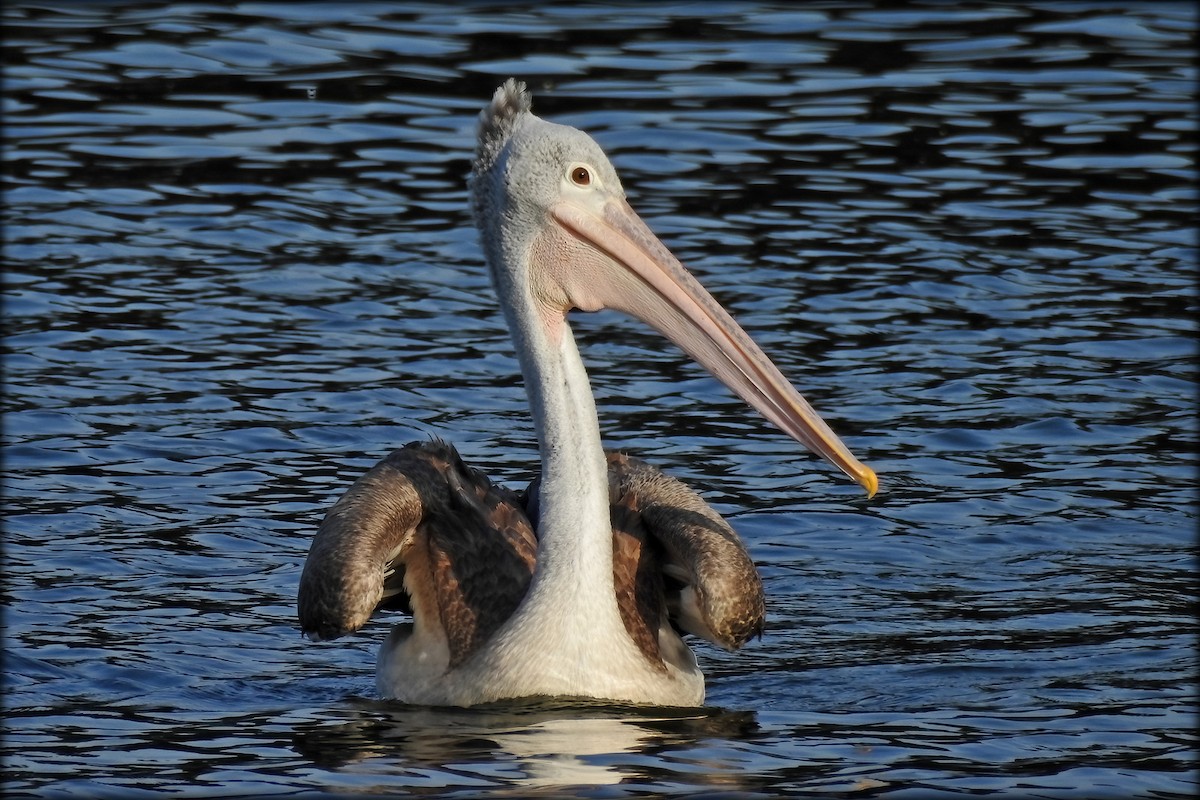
422 532
666 536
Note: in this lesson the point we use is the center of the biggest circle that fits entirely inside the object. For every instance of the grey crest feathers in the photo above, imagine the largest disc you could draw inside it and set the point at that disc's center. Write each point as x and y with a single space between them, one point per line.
519 163
496 123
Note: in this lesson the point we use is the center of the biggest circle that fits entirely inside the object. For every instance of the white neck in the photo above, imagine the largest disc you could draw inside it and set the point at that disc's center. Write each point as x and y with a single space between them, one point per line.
567 637
574 567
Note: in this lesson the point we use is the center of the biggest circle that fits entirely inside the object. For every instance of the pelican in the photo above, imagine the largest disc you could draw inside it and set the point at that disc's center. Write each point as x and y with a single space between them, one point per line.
582 585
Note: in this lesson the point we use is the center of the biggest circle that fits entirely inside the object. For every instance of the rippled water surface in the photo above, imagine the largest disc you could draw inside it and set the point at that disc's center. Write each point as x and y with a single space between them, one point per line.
240 269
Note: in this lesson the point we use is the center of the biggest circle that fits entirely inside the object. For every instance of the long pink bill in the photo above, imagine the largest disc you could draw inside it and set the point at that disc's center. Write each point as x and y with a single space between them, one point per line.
652 285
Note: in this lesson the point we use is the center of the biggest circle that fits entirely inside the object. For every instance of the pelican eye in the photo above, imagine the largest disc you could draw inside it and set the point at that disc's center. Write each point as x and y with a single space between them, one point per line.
581 176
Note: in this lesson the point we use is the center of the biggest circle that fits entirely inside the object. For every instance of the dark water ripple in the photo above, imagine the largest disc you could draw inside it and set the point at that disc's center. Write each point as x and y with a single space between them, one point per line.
239 268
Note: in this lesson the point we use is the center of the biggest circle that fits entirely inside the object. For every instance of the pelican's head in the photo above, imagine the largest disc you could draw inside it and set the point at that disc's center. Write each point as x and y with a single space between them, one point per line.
526 172
558 232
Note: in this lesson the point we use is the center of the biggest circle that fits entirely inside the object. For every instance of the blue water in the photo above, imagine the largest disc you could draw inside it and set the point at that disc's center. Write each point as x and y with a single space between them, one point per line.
240 268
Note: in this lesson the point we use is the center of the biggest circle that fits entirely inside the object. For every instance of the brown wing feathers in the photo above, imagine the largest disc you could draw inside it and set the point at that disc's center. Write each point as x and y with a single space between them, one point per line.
484 551
343 578
637 576
420 523
722 596
423 532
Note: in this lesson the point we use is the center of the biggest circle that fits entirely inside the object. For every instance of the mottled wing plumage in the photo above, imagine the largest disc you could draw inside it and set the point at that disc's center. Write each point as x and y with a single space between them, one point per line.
352 555
637 573
496 123
712 588
423 532
486 552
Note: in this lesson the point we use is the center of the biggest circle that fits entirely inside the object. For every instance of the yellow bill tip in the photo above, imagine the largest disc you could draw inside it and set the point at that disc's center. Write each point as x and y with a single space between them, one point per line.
869 481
